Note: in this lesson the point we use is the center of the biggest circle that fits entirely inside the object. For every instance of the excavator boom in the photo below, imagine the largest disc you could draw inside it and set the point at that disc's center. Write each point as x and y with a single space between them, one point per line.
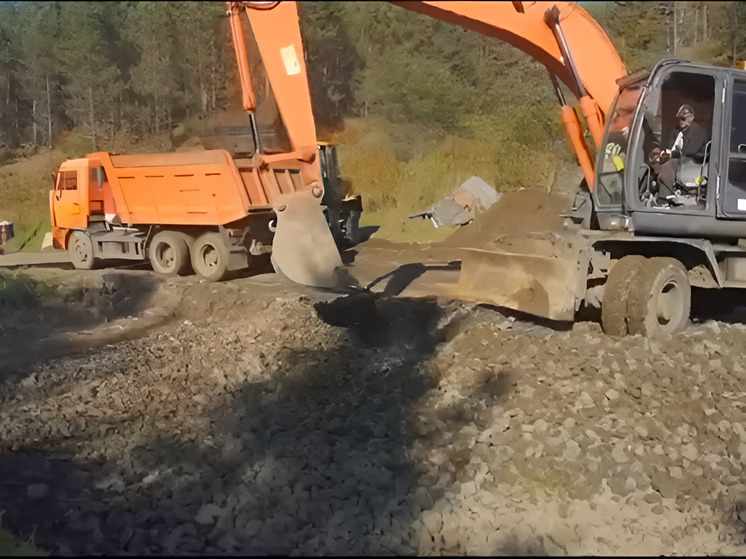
565 39
524 25
303 248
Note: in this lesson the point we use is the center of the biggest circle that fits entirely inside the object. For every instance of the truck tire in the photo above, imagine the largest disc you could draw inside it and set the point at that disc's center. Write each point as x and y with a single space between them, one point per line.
210 257
80 249
616 293
169 254
660 298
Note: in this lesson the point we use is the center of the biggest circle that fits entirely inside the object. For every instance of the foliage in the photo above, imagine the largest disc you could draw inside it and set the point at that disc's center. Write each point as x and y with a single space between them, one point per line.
106 67
10 545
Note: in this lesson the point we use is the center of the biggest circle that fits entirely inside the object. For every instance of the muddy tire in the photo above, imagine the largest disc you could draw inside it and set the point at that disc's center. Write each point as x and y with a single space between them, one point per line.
169 254
660 298
616 292
210 257
80 249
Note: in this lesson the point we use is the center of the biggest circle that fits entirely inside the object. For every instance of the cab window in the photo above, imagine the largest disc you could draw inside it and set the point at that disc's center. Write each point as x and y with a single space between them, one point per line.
69 180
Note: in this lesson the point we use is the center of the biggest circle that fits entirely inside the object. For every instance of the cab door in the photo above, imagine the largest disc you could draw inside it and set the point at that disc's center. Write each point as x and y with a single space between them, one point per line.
732 199
70 196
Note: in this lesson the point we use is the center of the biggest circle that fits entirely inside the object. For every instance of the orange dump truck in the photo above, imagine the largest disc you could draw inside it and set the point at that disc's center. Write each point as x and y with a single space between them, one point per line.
203 210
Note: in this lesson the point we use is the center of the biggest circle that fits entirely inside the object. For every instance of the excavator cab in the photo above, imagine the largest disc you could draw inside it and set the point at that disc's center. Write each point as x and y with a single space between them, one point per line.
643 119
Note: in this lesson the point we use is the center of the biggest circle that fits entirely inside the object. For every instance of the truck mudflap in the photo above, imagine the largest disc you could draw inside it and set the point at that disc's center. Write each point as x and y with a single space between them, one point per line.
303 248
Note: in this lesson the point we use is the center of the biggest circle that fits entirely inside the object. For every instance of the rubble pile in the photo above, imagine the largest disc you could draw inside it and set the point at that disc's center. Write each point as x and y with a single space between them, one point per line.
258 421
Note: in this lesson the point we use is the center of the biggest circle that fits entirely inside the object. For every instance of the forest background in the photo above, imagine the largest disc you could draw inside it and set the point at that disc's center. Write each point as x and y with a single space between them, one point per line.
417 106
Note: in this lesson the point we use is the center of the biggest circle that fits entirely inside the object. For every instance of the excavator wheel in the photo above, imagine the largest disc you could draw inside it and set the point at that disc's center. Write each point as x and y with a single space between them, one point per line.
210 257
616 292
659 298
80 249
169 254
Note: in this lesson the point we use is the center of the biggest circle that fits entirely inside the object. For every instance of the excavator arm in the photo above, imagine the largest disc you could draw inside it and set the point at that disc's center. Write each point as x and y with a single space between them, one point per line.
564 38
560 35
303 248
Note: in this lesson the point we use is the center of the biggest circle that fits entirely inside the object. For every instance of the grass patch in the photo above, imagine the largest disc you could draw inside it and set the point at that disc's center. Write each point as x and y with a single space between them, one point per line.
27 238
12 546
16 290
24 189
401 169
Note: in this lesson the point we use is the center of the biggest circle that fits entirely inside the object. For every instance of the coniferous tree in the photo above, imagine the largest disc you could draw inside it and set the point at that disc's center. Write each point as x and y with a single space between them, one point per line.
91 79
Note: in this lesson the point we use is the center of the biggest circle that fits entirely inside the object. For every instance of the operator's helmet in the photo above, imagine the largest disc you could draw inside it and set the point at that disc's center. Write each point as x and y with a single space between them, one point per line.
685 111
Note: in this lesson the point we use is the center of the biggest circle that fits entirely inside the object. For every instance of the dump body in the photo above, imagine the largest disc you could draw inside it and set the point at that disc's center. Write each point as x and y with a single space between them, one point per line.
200 188
185 188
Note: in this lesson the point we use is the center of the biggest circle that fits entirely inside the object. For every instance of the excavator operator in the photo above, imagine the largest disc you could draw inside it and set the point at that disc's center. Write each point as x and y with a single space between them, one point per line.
687 139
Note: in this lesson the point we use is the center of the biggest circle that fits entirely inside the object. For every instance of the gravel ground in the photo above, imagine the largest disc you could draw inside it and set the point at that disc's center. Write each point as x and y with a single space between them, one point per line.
147 416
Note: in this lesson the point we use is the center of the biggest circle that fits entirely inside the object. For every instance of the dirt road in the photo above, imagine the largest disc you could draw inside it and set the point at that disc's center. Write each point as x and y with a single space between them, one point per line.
142 415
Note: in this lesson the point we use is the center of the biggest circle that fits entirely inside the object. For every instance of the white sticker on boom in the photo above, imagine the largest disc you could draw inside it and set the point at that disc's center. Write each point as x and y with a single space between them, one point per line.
742 204
290 59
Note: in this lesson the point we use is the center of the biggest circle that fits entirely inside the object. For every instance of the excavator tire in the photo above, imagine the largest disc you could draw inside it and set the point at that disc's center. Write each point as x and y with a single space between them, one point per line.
659 299
80 249
210 257
616 292
169 254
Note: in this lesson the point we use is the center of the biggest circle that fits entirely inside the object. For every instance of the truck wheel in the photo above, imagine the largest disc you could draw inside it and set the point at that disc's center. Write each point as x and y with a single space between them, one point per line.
210 257
80 249
616 292
660 298
169 254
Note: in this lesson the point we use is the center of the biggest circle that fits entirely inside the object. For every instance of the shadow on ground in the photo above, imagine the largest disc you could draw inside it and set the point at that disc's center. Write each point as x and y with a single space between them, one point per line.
314 459
44 316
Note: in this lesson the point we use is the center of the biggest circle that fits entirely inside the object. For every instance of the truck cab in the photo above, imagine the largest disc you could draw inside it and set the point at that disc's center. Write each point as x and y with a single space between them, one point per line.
81 194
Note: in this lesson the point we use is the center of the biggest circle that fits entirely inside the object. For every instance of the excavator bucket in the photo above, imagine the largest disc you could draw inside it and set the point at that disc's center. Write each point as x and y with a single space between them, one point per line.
523 254
303 248
538 285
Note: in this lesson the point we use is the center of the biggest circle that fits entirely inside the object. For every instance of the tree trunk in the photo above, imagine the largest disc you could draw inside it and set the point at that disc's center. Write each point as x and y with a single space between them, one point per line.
157 124
33 119
49 114
675 29
201 78
92 116
213 88
705 30
734 53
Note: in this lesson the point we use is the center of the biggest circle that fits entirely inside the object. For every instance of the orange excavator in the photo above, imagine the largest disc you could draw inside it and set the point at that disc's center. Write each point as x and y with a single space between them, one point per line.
612 243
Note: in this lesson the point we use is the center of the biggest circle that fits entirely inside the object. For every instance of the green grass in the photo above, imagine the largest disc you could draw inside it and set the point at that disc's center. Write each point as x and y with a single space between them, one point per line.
12 546
402 169
27 237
